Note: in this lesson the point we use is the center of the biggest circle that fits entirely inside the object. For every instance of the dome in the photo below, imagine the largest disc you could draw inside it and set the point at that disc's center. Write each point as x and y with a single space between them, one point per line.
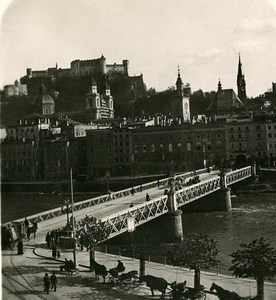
44 103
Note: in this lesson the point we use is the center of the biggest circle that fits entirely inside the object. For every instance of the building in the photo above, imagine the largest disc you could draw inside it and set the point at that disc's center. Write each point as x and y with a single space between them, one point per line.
180 102
79 67
99 106
16 89
44 104
241 84
225 103
246 141
177 148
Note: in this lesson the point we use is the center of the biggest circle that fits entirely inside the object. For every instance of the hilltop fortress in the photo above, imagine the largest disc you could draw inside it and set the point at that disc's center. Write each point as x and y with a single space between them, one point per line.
79 67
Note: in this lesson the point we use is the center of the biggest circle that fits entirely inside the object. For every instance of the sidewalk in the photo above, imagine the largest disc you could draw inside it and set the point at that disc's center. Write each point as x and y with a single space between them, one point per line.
244 287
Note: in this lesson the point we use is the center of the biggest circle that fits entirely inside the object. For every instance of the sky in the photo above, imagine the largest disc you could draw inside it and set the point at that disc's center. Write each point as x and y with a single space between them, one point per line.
203 37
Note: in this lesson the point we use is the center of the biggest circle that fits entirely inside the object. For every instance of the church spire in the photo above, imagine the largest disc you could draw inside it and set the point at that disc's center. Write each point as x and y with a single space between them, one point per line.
241 82
219 85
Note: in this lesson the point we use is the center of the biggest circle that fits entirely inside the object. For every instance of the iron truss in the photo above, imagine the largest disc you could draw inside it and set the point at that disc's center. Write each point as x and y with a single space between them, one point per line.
53 213
238 175
140 214
152 209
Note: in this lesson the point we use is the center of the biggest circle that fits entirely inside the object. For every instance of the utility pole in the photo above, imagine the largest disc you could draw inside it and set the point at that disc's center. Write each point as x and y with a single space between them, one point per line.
73 220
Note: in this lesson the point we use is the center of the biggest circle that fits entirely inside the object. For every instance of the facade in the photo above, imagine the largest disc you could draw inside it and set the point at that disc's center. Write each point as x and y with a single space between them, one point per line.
225 103
246 141
15 89
83 68
99 152
177 148
181 102
99 106
271 143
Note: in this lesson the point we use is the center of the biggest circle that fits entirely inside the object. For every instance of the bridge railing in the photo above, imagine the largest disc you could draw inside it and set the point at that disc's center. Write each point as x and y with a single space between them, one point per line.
238 175
198 190
56 212
117 224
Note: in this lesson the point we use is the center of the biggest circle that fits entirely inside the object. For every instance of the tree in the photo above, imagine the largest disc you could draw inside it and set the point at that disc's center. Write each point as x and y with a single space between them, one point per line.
196 252
92 232
257 260
144 242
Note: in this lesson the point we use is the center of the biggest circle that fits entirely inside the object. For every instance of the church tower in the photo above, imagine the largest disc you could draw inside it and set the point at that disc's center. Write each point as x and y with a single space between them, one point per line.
181 101
93 101
241 83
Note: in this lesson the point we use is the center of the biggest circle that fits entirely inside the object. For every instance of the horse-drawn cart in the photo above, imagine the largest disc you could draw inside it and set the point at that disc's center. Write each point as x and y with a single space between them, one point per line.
181 292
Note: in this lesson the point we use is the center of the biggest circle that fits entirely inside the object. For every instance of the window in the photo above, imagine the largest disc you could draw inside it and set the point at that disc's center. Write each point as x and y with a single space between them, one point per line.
231 136
269 127
144 148
179 147
170 147
189 147
219 145
136 148
270 135
231 129
152 148
270 146
232 145
209 146
239 136
198 146
161 146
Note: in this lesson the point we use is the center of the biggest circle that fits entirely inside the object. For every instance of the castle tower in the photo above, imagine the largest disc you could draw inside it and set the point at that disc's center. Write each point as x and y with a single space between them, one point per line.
102 60
181 101
241 83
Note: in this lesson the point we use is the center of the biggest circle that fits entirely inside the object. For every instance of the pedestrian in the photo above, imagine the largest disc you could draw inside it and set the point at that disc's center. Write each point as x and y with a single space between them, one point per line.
54 251
147 197
26 223
131 205
120 267
158 183
20 247
132 191
56 236
58 254
48 239
53 280
141 188
46 280
81 241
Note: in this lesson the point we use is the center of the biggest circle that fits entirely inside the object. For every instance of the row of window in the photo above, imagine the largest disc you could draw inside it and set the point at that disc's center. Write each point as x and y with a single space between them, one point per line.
179 148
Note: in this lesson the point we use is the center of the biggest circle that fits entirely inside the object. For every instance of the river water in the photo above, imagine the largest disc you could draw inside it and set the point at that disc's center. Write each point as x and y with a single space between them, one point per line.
252 217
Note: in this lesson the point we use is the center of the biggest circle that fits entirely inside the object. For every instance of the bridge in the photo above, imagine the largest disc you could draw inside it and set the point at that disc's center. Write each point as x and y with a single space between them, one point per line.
114 209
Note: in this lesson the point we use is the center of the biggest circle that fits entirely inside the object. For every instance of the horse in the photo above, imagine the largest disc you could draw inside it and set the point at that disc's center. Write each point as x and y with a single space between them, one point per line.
32 229
155 283
223 294
99 270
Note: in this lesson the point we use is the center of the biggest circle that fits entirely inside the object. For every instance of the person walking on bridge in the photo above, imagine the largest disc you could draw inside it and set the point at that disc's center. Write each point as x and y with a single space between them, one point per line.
53 280
46 280
147 197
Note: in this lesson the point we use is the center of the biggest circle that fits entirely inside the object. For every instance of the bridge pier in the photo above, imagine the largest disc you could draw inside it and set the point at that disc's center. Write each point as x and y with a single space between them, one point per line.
173 220
225 194
173 226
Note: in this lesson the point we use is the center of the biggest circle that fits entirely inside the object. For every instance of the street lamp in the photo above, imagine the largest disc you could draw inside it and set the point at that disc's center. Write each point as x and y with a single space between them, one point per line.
73 220
67 205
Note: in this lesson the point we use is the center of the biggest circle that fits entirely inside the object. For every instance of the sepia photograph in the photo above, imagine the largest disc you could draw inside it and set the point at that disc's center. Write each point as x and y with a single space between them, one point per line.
138 149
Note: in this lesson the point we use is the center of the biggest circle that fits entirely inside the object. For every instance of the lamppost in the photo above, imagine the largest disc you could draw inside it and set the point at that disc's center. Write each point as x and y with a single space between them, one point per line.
73 220
66 203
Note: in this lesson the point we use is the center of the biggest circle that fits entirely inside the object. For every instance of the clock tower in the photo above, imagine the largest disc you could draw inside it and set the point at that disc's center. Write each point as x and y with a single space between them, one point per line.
181 101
